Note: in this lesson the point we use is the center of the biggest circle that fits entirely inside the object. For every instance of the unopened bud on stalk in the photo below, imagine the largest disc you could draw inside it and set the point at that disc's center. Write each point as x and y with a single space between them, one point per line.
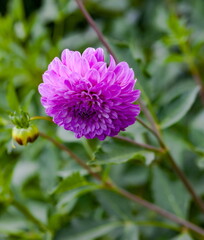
23 132
24 135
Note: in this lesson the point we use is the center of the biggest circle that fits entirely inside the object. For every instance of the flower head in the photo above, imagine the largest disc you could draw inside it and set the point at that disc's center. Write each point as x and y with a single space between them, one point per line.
85 95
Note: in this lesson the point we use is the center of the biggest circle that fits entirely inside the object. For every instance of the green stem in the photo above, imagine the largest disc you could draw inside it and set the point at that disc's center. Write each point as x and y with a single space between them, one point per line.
142 145
41 118
157 224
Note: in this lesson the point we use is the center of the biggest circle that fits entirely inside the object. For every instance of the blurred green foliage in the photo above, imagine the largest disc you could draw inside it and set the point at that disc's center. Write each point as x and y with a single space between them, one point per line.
161 41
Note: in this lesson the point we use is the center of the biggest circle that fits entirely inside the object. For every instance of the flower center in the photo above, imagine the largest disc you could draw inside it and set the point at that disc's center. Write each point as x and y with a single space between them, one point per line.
87 108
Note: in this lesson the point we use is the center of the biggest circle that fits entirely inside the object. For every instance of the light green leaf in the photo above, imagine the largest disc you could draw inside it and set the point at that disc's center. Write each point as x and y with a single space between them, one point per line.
90 230
177 110
175 91
71 182
115 204
12 97
3 121
74 194
175 58
183 236
196 130
200 162
114 151
27 100
130 231
169 194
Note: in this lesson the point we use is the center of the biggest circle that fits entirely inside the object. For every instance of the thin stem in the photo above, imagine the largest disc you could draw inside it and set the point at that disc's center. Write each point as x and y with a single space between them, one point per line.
146 126
154 132
111 186
42 118
29 215
148 115
142 145
157 224
95 27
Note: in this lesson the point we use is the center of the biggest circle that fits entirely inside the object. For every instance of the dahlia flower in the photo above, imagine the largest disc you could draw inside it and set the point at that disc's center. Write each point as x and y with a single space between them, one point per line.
85 95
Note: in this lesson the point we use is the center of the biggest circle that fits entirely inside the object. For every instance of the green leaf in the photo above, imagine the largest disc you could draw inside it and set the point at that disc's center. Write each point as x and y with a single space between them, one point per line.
74 194
71 182
130 231
196 130
183 236
12 97
3 121
175 58
178 109
88 230
176 91
115 204
200 162
27 100
114 151
168 194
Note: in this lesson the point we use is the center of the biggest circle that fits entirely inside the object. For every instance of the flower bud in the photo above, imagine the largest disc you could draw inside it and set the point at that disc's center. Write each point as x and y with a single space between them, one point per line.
20 119
24 135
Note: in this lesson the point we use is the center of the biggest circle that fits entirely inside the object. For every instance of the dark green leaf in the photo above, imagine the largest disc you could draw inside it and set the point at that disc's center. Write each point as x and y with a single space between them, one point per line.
183 236
90 230
179 108
71 182
168 194
114 151
131 231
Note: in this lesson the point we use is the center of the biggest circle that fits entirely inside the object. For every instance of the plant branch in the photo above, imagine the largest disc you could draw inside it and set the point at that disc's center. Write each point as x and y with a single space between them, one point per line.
111 186
142 145
157 224
148 115
95 27
155 129
160 211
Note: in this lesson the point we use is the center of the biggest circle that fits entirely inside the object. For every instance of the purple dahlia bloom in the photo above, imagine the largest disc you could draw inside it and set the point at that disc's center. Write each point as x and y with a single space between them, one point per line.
85 95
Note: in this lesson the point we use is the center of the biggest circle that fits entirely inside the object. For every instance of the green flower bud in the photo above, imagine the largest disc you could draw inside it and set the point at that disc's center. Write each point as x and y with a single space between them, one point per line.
20 119
24 135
